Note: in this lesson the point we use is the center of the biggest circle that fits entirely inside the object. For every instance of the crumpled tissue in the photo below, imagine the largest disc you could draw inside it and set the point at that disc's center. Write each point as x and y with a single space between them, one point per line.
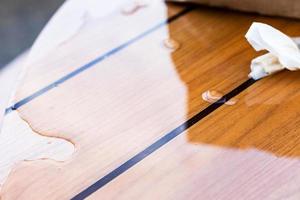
283 51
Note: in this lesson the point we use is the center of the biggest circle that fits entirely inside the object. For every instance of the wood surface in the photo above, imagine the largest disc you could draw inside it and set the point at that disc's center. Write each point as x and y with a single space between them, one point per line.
246 151
10 75
123 104
17 140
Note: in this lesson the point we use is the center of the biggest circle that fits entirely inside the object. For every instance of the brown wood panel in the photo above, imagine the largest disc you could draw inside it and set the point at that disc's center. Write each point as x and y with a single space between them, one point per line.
125 103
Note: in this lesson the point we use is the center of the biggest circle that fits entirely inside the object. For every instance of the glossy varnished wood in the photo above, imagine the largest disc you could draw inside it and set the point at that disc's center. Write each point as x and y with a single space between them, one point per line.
246 151
116 109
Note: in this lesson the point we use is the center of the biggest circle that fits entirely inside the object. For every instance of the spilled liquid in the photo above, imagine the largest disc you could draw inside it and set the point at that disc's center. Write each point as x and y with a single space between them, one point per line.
213 96
115 112
19 143
171 44
108 104
133 7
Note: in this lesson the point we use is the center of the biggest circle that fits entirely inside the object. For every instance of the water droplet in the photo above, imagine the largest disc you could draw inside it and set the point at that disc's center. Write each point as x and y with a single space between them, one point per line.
231 102
214 96
134 7
171 44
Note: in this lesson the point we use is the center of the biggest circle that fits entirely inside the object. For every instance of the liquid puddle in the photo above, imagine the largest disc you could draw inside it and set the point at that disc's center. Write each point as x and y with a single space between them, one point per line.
171 44
214 96
19 143
134 7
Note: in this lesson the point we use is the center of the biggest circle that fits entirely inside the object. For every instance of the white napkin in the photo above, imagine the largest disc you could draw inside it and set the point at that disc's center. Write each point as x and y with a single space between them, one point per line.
283 51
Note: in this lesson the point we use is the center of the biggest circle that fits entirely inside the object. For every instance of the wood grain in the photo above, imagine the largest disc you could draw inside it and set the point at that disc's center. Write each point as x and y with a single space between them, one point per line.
17 140
246 151
122 105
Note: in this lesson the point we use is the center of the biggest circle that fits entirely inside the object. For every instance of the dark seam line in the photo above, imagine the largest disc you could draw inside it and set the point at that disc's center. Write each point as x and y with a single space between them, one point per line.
95 61
161 142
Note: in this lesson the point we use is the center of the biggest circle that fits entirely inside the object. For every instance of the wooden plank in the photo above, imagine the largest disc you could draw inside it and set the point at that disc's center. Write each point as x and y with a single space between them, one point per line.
17 140
191 170
94 39
246 151
117 108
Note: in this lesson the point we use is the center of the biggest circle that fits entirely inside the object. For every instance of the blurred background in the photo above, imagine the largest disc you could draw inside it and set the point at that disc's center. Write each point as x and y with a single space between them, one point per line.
20 23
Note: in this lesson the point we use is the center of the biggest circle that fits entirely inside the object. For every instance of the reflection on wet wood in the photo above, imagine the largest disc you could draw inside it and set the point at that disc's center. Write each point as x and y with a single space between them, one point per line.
266 118
122 105
246 151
